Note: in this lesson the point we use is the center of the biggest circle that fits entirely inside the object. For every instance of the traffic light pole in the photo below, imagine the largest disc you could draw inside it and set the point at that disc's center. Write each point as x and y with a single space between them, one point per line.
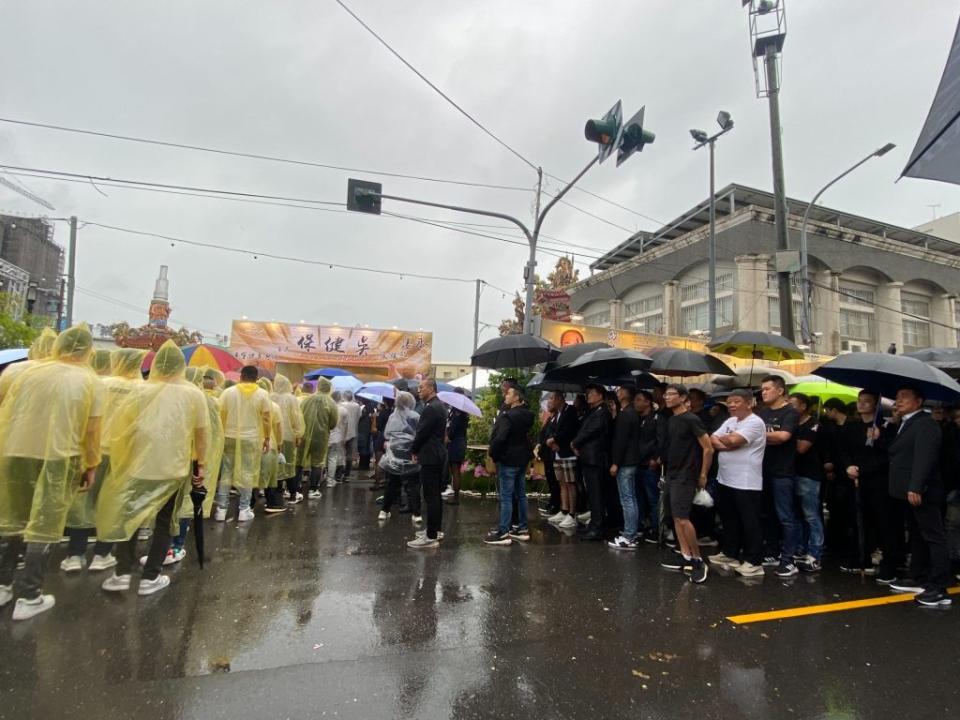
532 236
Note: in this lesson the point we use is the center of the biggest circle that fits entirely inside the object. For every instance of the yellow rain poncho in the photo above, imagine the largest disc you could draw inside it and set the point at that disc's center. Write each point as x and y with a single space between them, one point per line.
291 424
218 379
49 437
245 410
125 375
320 416
157 432
100 362
270 460
40 350
214 453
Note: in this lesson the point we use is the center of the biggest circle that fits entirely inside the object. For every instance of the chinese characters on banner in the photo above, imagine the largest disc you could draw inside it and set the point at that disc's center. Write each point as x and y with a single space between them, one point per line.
368 353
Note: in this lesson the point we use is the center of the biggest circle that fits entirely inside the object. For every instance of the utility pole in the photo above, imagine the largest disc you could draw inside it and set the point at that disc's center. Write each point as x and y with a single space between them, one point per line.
71 269
784 289
476 335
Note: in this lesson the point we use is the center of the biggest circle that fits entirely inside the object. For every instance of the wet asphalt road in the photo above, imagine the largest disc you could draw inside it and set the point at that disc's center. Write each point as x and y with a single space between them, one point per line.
322 612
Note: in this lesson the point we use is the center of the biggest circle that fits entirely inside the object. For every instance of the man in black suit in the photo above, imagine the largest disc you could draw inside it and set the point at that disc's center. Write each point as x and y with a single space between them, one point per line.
915 477
591 445
431 454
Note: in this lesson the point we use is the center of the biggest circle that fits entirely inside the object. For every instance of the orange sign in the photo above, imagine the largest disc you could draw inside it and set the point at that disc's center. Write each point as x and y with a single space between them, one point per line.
366 352
562 333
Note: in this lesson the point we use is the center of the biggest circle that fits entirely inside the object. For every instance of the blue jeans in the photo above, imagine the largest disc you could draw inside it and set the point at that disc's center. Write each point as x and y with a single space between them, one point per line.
222 498
809 493
626 484
784 490
648 495
510 478
180 540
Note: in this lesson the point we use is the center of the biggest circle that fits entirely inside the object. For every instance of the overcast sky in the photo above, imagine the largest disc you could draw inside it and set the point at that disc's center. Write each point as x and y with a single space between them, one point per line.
304 80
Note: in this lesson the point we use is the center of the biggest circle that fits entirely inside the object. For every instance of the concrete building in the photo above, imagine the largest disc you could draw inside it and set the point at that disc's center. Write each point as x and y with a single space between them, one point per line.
27 244
447 371
946 227
873 283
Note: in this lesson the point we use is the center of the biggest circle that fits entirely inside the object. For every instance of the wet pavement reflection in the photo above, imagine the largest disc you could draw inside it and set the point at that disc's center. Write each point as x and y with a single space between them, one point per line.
323 612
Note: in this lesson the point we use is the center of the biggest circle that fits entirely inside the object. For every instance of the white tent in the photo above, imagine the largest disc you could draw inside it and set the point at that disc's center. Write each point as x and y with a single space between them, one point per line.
483 377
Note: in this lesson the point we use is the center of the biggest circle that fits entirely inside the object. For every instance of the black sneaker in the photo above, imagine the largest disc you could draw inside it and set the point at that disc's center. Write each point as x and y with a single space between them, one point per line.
809 564
786 569
886 580
521 535
933 598
674 560
907 585
770 561
699 572
651 537
495 538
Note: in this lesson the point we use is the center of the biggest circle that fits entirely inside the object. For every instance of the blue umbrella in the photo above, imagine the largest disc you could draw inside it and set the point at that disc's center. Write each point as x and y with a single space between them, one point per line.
327 373
12 355
377 390
346 382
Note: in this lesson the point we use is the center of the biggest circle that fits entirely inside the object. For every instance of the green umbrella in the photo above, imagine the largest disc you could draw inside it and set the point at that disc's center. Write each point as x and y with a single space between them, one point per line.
824 389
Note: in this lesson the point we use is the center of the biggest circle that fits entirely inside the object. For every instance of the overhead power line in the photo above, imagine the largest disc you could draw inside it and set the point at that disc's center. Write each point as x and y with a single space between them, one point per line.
440 92
259 156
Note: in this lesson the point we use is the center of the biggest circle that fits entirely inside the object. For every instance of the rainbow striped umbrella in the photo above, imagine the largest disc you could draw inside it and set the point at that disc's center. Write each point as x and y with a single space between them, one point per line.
203 355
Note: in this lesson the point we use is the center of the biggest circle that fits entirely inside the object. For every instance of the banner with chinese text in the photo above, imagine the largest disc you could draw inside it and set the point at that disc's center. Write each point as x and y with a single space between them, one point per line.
368 353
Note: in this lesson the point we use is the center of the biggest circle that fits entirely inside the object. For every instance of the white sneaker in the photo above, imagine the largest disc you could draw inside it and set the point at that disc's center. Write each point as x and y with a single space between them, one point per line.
174 556
116 583
421 542
331 483
383 515
584 517
246 515
316 494
750 570
220 514
417 519
568 523
556 519
26 609
423 533
102 562
72 564
6 594
448 491
149 587
298 498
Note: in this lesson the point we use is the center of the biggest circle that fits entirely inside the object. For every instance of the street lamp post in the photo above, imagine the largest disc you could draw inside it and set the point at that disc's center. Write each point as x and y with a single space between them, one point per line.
805 327
700 137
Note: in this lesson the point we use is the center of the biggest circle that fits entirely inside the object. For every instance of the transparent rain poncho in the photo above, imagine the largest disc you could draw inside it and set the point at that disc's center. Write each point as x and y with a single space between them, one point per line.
320 416
100 362
270 460
398 437
40 350
49 436
157 432
291 425
214 453
125 375
246 410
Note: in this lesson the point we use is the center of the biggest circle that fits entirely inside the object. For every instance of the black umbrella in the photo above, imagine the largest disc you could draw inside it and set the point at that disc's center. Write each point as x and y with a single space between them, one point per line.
406 385
198 495
885 374
548 382
684 363
944 358
558 381
509 351
757 346
607 363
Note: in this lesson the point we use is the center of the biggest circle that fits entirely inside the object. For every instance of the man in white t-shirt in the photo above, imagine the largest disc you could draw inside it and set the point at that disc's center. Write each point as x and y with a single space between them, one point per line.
740 443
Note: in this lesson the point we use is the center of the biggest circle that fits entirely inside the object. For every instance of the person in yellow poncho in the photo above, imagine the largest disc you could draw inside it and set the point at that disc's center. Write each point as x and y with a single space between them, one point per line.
49 451
100 362
40 350
320 416
158 431
270 461
214 455
125 375
291 423
245 409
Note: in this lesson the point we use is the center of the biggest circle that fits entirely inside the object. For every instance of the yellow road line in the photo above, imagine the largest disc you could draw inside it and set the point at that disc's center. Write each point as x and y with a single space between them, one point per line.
826 608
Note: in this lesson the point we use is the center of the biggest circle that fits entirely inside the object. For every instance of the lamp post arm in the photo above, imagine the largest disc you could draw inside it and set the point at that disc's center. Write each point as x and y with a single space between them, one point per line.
559 196
457 208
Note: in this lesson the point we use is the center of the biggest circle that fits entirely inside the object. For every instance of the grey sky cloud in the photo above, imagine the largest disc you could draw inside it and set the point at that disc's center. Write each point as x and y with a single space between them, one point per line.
304 80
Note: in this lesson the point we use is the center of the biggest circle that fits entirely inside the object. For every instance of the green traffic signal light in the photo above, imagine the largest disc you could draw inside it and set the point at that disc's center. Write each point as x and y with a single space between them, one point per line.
363 196
602 132
635 137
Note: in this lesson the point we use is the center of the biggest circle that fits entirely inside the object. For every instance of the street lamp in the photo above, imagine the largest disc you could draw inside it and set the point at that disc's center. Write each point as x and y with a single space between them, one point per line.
701 138
804 266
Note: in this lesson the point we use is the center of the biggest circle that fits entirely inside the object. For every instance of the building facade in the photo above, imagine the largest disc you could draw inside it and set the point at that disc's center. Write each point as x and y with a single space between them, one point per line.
28 245
872 284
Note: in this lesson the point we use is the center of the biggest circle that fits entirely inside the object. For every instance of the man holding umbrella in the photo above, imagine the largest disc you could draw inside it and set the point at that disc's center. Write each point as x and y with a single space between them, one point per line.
915 477
430 452
592 446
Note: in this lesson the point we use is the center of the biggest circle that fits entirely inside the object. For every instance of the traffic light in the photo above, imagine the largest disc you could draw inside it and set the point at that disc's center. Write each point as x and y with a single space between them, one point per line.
633 137
364 196
605 132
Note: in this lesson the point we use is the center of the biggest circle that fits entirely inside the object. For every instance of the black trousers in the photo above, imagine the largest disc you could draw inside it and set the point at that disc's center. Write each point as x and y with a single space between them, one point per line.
740 512
29 582
553 484
392 494
159 544
593 479
929 556
432 480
